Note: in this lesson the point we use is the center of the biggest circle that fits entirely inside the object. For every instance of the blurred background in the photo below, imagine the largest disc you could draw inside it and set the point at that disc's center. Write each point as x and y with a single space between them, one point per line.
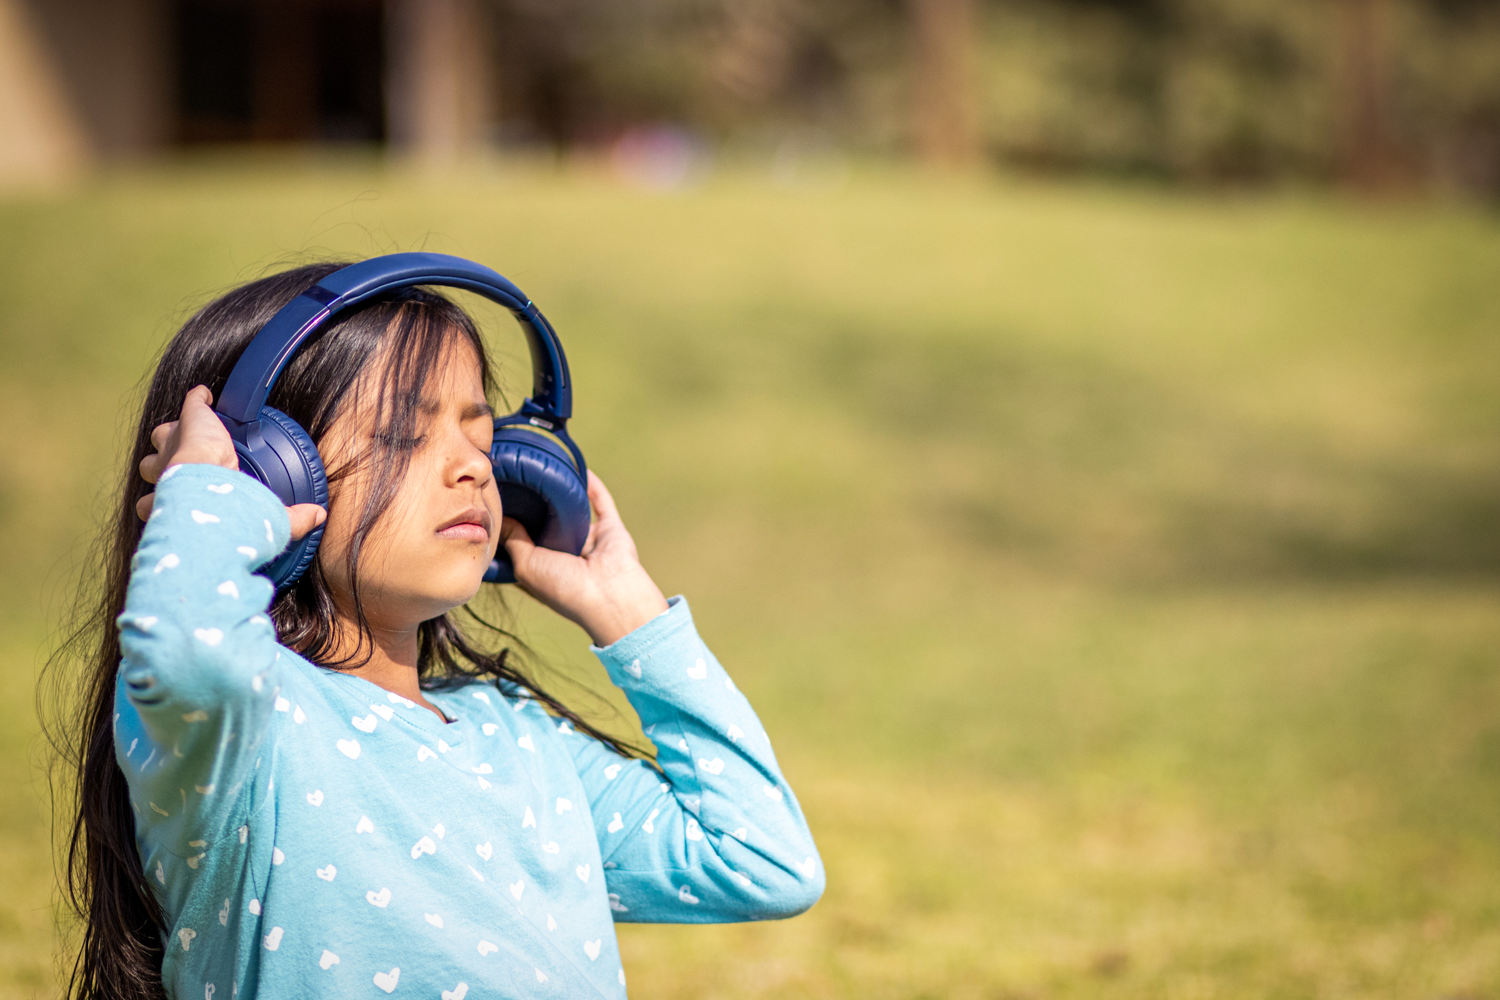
1075 422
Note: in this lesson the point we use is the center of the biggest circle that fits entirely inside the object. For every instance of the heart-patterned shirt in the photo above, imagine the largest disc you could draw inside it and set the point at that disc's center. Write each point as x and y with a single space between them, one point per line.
311 834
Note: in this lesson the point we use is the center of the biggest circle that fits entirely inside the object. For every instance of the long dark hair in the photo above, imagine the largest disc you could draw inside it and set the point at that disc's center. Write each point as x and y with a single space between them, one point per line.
103 882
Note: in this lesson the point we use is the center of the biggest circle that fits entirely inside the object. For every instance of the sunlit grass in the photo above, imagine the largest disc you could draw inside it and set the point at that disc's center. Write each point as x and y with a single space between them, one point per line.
1116 572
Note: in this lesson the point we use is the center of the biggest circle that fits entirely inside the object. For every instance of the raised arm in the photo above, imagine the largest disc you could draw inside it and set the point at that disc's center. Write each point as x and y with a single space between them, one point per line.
722 837
200 673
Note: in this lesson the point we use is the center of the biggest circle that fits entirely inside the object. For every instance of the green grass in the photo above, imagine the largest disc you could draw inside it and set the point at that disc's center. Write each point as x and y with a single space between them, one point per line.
1117 572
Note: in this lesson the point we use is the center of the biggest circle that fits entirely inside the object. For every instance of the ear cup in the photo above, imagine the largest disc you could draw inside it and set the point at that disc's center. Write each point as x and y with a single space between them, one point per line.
278 452
541 488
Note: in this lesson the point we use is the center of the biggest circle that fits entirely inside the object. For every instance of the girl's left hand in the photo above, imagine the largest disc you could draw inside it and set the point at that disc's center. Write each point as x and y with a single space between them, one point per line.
605 590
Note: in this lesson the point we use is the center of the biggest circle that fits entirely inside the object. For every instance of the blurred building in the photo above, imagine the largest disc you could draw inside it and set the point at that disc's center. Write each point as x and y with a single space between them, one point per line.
90 80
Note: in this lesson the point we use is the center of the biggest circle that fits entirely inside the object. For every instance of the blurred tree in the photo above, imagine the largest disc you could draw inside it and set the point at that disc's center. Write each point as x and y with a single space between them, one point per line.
944 105
1368 155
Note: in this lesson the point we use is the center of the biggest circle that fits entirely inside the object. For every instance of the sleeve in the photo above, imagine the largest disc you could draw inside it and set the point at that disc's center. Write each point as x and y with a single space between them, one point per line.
199 671
721 838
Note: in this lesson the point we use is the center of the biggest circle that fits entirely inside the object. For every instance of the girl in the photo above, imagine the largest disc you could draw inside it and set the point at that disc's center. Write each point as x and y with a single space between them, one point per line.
344 789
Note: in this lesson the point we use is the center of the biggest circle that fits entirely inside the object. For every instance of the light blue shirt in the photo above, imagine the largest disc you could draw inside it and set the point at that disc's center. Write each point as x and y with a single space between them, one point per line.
310 834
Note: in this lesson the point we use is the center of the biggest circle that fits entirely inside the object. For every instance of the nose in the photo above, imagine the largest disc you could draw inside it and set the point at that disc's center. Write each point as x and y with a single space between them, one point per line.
469 464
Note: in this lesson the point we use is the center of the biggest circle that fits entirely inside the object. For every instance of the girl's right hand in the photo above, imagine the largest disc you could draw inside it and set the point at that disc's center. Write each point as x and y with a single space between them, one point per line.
197 437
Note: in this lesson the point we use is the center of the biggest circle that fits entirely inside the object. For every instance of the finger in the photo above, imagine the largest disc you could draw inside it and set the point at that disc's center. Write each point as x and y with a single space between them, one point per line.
199 394
144 504
162 434
516 539
305 517
604 504
152 466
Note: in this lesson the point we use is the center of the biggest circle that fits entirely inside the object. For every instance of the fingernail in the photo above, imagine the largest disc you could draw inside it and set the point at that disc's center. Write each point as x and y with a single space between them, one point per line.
322 516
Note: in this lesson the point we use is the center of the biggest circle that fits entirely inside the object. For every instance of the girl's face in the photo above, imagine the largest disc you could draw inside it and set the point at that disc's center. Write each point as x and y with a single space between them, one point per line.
428 553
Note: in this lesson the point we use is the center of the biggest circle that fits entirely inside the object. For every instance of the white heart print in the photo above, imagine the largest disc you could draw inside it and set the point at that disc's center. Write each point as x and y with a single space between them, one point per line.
773 793
208 636
315 797
486 948
457 993
528 820
277 857
168 561
224 914
634 669
734 733
203 518
551 847
186 936
228 589
525 743
365 725
298 716
616 824
364 825
384 711
433 919
686 895
484 850
489 728
551 924
349 748
328 874
583 871
541 976
423 753
380 899
273 939
591 948
698 670
808 867
388 980
693 831
563 805
423 846
221 489
611 772
517 888
715 766
328 960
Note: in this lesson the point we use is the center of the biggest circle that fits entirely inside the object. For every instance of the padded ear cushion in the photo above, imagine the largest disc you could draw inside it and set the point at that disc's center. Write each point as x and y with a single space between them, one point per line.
541 488
290 465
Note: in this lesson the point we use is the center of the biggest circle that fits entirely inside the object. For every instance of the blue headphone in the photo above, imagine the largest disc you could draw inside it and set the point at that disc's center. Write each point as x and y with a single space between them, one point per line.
542 479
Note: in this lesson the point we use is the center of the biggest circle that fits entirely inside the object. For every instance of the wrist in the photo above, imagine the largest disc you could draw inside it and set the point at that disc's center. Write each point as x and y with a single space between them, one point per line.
624 614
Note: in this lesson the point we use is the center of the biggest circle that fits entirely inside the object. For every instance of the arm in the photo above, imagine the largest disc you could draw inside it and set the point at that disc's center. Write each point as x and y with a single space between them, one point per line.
723 838
198 673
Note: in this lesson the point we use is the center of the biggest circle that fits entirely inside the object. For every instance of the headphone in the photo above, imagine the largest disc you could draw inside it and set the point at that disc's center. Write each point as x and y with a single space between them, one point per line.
540 471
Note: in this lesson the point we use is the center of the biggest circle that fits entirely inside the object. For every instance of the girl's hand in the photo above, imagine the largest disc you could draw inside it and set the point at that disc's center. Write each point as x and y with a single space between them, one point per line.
605 590
198 438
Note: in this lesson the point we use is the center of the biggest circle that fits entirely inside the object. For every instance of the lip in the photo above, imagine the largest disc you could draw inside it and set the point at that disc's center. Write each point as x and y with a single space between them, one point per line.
472 525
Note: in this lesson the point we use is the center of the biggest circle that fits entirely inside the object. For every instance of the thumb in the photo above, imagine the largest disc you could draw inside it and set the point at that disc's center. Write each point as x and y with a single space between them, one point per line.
305 517
517 541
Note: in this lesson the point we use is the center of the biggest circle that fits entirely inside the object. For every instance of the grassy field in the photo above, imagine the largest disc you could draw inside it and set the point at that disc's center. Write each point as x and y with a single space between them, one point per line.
1117 572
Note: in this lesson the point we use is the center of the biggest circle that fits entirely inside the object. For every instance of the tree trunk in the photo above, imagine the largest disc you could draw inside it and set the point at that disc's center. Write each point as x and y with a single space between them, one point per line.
1369 156
437 88
944 106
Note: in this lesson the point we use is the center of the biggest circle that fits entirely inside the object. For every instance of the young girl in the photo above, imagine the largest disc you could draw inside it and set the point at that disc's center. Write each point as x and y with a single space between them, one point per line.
342 790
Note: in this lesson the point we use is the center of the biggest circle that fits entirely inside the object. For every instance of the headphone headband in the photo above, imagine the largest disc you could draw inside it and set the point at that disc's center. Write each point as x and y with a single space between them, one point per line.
267 354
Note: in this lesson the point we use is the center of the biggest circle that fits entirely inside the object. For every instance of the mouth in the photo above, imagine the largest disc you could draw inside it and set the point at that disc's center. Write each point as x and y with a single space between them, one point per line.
472 525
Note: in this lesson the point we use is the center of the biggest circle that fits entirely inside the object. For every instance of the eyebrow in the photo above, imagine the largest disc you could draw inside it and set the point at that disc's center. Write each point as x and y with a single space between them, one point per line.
471 412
